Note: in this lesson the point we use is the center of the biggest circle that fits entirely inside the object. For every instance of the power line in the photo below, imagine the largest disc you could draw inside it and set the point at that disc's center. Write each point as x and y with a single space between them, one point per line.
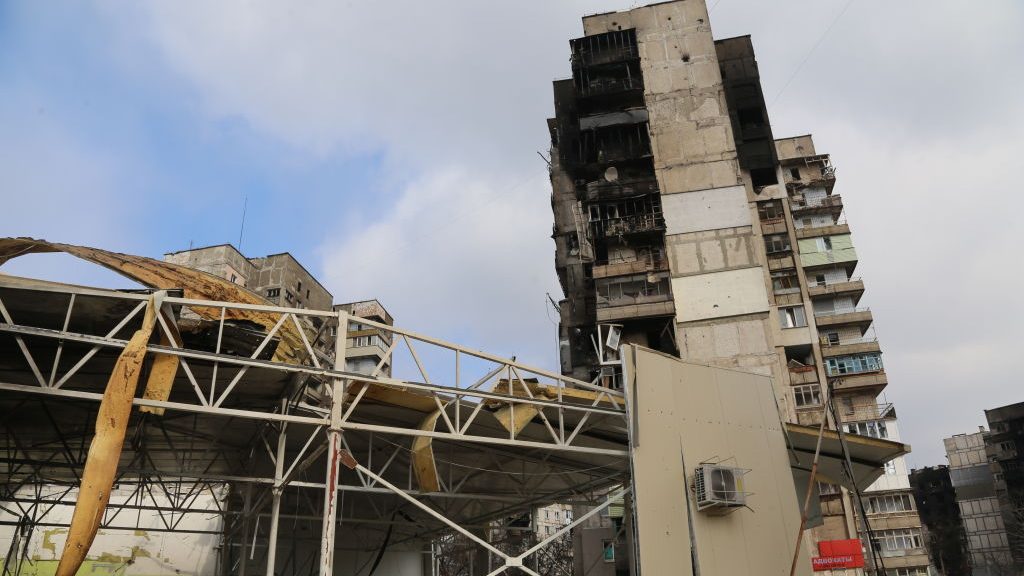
809 53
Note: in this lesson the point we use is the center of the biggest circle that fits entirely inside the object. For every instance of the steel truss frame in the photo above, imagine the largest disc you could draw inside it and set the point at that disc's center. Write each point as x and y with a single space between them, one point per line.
297 431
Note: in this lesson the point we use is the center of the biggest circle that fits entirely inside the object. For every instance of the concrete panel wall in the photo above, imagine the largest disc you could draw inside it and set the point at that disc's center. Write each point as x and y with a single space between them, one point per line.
720 294
711 251
688 414
706 210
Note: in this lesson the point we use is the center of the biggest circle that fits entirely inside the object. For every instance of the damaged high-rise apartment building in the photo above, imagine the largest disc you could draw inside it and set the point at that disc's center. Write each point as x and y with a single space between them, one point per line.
682 224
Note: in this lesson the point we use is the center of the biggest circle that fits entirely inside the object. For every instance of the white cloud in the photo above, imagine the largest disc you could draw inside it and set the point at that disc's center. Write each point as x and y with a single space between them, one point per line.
461 256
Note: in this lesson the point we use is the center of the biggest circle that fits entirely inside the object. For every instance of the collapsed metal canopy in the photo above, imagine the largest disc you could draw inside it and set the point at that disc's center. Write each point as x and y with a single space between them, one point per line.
262 416
416 457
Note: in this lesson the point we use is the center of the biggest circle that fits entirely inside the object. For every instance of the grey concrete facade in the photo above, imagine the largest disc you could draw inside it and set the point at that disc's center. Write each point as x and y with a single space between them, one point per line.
745 227
972 478
279 278
367 345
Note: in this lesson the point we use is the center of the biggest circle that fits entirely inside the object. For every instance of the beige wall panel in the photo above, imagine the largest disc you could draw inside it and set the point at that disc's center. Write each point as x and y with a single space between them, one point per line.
706 210
712 255
688 414
683 258
720 294
702 176
793 336
737 252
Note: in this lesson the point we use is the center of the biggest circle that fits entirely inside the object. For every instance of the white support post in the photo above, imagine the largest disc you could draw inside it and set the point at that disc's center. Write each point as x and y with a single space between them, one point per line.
275 511
333 451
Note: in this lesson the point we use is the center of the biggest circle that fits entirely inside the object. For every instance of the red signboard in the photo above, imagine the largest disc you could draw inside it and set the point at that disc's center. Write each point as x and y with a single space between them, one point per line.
838 554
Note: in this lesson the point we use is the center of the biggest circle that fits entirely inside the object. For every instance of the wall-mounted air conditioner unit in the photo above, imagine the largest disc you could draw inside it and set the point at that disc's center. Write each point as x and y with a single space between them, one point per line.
719 489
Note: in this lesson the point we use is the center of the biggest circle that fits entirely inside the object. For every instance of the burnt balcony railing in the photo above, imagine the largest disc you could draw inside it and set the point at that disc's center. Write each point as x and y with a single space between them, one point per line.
608 85
602 190
615 152
632 224
604 55
650 264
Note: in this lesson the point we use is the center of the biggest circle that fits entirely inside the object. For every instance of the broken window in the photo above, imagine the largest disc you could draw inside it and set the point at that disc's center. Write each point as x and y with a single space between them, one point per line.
777 243
832 338
298 287
273 293
854 364
872 428
792 317
807 395
824 243
770 211
795 173
785 282
609 551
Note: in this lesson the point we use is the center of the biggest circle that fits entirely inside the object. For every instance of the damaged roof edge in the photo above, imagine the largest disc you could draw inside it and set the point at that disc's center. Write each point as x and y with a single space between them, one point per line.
196 285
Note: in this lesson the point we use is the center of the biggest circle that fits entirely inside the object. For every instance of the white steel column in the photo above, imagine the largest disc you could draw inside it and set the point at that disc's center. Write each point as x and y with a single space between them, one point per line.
275 511
333 451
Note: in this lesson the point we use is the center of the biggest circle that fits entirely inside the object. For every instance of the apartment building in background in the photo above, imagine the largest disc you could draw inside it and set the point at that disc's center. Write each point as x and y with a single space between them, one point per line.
1004 446
971 475
682 224
367 347
279 278
284 281
940 515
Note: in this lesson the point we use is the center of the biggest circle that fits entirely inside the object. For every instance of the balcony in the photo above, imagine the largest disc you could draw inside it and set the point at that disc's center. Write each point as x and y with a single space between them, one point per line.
803 375
780 262
856 316
815 231
860 412
632 297
598 49
599 86
648 306
633 224
773 226
848 346
829 257
852 287
629 268
828 205
602 190
865 382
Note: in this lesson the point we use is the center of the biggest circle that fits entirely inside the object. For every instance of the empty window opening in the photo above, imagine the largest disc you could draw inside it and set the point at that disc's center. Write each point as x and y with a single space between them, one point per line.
792 317
751 117
761 177
777 243
795 173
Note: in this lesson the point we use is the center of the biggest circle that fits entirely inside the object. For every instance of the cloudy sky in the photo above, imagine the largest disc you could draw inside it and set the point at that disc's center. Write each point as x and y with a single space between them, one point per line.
392 147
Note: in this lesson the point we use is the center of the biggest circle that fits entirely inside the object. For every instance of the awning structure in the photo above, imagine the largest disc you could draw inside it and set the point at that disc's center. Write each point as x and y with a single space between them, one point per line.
867 455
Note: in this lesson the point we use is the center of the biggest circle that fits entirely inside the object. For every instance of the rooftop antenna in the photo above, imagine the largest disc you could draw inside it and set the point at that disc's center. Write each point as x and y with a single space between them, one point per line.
245 204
